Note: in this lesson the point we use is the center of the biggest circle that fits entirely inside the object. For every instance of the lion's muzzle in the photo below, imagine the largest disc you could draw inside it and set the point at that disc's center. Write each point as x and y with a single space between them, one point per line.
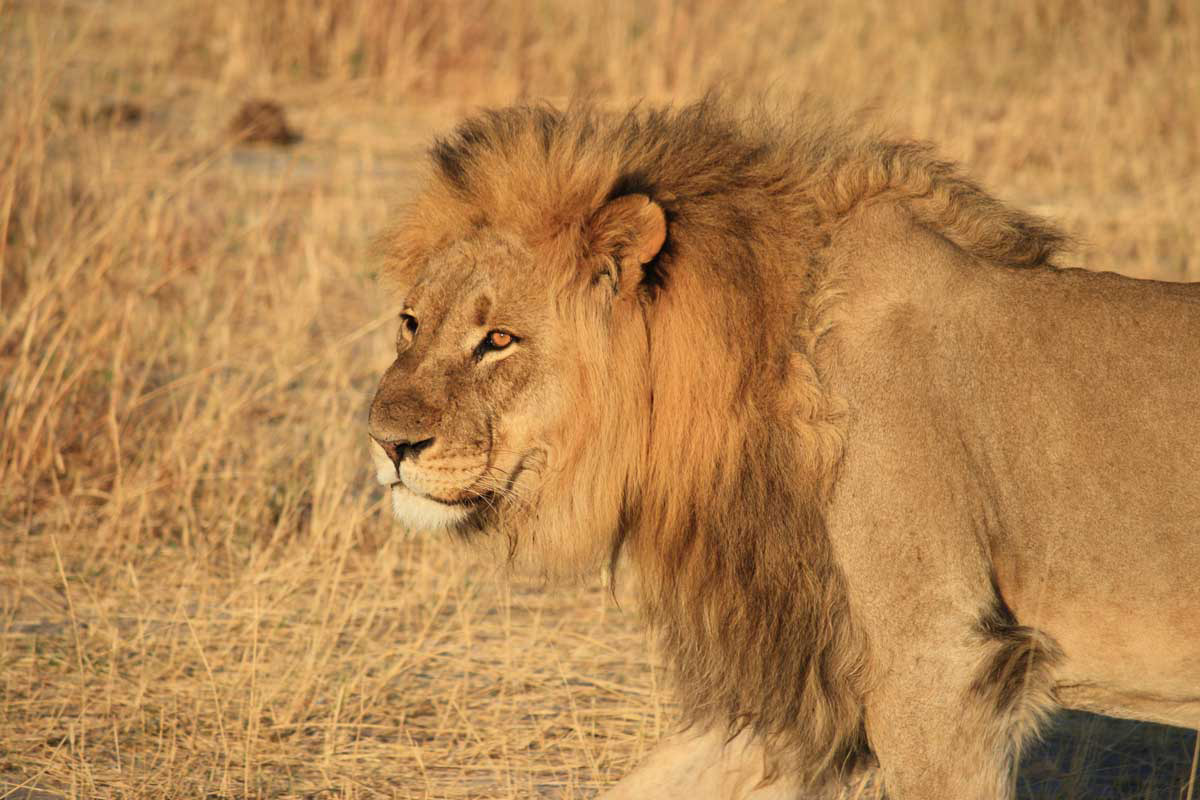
430 489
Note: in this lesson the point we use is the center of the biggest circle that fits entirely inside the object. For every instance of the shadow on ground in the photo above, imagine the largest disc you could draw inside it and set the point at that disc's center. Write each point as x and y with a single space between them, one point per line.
1090 757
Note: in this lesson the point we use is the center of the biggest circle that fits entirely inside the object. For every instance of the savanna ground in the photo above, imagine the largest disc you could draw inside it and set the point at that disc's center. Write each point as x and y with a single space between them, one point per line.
201 594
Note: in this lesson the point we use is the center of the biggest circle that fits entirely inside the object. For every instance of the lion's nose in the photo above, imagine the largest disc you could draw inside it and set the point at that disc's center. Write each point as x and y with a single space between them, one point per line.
397 451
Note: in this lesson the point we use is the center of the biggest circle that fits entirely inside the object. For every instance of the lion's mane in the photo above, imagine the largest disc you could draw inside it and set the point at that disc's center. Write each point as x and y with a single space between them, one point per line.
725 521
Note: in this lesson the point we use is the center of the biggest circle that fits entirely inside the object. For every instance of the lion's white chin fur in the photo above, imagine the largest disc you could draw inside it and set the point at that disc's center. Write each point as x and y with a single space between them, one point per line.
411 509
422 513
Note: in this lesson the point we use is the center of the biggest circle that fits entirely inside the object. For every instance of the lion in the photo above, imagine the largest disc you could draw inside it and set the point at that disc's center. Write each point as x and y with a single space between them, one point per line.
889 483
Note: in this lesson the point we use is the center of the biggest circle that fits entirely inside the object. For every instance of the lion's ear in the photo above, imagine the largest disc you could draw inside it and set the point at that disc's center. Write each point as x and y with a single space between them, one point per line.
630 230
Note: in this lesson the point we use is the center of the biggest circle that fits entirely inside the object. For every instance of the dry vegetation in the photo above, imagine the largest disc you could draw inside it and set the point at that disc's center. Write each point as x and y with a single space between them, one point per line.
200 592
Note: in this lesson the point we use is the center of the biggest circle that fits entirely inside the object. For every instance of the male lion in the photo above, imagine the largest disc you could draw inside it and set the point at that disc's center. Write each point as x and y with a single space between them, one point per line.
890 485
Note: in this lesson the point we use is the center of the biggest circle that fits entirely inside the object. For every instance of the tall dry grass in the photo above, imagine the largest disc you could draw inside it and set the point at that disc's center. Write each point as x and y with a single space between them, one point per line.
200 593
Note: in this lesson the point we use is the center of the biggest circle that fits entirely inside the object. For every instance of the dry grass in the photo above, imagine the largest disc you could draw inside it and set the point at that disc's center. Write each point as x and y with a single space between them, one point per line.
200 593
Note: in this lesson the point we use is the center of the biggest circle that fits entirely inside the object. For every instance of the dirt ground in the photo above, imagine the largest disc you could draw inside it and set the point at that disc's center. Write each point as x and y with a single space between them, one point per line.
201 593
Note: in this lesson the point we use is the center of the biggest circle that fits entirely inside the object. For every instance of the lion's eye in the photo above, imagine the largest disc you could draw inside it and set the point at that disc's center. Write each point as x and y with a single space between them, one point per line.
408 325
494 342
498 340
408 331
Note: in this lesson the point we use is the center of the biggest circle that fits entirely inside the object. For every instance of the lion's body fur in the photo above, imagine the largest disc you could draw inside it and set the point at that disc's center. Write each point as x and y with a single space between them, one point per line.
744 423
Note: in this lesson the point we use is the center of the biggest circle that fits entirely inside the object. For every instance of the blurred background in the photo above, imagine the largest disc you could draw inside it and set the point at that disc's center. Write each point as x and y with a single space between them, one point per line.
201 594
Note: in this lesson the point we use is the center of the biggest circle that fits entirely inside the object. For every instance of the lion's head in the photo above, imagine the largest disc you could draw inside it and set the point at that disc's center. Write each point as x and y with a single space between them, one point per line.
592 331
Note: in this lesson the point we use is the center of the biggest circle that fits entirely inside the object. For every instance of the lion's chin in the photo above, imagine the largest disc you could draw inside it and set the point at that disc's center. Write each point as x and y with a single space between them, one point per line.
424 513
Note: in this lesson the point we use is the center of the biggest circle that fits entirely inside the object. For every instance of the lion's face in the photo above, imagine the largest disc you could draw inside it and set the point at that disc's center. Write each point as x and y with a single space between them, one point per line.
509 407
459 416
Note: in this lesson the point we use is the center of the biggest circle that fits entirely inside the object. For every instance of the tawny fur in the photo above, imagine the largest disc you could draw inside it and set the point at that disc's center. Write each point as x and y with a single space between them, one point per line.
701 441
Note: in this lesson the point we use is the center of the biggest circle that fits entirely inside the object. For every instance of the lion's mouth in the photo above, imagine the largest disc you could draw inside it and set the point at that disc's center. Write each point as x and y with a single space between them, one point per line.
424 511
467 501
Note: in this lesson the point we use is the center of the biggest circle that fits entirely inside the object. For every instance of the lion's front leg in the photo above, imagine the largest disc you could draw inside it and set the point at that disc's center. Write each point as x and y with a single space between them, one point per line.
703 765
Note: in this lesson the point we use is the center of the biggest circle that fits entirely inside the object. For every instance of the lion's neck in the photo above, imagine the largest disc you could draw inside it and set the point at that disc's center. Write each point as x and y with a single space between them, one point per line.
741 580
